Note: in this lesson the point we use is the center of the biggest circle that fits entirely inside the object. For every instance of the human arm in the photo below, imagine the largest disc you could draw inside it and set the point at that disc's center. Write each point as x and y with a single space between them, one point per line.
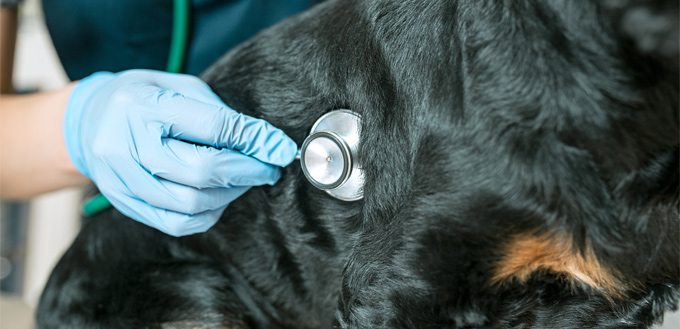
33 156
164 149
29 123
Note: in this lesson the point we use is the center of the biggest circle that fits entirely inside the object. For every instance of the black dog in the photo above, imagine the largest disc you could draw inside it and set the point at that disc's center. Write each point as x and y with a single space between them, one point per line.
521 167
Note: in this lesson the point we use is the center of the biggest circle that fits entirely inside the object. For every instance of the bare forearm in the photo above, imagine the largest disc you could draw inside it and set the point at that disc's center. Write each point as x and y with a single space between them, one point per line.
33 156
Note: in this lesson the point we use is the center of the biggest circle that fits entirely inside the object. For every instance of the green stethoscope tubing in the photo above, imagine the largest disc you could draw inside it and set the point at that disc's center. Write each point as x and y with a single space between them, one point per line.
176 56
180 35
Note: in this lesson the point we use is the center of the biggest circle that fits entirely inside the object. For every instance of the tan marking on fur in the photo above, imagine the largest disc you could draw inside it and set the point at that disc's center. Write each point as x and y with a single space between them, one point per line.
528 253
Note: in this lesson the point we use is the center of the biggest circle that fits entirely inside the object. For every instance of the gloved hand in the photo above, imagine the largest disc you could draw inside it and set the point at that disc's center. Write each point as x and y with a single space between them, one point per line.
135 134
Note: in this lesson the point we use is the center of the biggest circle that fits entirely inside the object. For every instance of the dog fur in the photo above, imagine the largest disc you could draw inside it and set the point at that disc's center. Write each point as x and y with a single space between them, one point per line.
521 171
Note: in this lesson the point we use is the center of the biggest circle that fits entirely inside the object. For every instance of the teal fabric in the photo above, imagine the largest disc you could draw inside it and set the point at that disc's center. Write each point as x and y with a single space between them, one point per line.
116 35
9 3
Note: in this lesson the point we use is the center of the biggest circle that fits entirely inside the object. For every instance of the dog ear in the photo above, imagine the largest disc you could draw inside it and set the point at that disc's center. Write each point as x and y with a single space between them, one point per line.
651 25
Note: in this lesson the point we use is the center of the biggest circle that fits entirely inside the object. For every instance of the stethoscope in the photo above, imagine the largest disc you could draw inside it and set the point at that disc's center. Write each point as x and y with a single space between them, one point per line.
329 157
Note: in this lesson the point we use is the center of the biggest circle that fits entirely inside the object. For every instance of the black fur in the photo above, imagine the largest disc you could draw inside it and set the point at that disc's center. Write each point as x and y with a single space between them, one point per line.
483 121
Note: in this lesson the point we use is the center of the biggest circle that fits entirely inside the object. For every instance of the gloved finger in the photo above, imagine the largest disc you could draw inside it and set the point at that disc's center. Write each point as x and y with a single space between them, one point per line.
190 200
188 85
180 224
204 166
180 198
169 222
204 123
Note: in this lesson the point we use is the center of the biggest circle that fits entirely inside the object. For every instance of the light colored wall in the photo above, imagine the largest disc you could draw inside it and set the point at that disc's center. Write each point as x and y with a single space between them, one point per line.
53 218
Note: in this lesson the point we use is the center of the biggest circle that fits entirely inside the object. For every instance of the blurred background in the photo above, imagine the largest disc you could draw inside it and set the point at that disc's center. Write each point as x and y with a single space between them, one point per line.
34 235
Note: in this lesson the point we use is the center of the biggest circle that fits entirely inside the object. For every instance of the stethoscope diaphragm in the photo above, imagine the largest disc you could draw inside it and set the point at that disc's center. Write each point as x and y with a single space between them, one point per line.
329 157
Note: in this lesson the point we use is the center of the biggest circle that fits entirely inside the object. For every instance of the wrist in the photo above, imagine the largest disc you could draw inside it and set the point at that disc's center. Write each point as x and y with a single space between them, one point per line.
78 94
50 113
34 157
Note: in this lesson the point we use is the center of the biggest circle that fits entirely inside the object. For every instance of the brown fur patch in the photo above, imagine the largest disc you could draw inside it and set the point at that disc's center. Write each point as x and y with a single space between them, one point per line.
528 253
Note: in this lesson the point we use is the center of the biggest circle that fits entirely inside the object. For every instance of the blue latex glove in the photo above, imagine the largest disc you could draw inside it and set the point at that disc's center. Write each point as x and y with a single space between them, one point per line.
135 135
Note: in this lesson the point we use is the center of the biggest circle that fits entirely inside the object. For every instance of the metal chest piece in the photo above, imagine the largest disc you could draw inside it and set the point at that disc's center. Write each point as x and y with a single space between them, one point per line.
329 157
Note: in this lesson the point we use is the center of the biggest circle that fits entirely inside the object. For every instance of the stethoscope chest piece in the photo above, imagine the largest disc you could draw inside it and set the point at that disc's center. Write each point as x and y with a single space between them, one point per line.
329 157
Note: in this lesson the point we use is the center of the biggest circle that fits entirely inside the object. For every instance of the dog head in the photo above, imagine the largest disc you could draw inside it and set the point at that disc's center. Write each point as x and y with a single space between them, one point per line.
520 158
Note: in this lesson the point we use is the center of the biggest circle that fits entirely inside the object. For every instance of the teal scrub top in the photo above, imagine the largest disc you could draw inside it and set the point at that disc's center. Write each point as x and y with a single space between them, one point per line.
116 35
